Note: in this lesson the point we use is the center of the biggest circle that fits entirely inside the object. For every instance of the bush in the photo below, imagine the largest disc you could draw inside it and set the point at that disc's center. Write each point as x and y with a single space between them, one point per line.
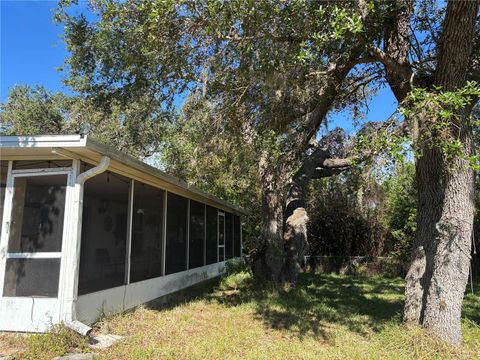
236 265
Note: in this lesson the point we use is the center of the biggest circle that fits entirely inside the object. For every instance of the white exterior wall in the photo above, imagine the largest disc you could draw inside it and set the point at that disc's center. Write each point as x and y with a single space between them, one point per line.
110 301
28 314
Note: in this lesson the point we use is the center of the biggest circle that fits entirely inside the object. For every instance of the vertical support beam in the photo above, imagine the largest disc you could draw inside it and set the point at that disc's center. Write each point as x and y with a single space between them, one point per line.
128 249
7 210
69 270
205 234
164 231
72 243
188 235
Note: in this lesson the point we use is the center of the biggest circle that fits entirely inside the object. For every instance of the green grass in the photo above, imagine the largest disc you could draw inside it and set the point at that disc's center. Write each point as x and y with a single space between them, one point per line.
325 317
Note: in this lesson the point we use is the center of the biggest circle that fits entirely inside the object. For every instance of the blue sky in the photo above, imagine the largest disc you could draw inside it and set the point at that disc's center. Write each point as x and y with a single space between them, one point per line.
32 49
31 45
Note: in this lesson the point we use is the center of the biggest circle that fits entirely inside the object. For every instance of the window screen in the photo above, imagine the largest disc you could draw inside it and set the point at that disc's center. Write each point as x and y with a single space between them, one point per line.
197 234
176 246
41 164
228 236
37 214
104 232
212 235
32 277
146 248
237 242
221 238
3 185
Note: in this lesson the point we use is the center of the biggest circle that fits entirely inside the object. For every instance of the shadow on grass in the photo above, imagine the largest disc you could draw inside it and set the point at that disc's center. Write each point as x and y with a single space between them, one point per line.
320 302
323 301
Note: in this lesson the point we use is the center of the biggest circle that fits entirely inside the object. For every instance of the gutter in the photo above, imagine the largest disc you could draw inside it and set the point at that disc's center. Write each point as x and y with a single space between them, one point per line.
70 315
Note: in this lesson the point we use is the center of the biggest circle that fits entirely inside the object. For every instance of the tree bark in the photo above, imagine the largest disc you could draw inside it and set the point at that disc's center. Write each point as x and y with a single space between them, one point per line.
316 165
270 256
429 201
397 46
295 236
438 274
448 255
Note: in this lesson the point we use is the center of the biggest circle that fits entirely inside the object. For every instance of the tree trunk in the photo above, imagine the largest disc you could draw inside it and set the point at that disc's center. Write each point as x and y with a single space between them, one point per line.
270 256
438 273
448 256
429 202
316 165
295 236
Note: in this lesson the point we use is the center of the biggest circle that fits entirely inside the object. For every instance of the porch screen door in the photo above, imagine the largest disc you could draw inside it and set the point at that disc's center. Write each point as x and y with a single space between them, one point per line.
35 236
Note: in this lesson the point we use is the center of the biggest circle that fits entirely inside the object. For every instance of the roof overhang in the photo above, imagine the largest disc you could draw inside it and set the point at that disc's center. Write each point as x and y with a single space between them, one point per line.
50 147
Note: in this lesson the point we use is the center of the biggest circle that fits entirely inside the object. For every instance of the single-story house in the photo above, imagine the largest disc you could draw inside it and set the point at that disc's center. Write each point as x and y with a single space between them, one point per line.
87 231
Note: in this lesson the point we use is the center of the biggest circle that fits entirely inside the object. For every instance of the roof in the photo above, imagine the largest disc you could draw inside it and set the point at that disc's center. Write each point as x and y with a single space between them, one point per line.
82 147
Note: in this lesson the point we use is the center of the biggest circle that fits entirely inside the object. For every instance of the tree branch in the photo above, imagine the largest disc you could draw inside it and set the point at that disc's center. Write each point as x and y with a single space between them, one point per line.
390 63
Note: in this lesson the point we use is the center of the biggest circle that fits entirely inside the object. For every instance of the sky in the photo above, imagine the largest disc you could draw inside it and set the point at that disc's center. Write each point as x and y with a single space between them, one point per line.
32 49
31 46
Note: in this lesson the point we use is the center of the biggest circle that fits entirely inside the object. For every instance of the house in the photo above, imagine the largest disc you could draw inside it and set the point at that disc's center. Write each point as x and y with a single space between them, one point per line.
87 231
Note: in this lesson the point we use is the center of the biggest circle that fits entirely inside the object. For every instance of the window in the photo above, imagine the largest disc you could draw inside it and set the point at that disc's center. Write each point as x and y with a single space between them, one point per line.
212 235
237 240
104 232
37 214
197 234
147 225
32 277
228 236
176 246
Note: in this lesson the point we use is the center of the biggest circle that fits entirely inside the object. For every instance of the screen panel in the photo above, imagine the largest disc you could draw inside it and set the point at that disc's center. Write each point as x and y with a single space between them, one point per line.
197 234
32 277
38 208
221 238
147 226
176 245
3 185
104 232
228 236
212 235
237 242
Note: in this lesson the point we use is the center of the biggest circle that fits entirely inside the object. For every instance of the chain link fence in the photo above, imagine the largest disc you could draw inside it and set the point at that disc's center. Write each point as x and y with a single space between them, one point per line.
355 265
370 266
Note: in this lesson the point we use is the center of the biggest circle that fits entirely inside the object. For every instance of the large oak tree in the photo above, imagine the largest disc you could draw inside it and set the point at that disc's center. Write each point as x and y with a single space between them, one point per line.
275 70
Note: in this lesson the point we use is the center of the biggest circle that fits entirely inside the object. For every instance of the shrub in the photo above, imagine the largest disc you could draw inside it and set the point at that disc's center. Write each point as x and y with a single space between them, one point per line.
59 341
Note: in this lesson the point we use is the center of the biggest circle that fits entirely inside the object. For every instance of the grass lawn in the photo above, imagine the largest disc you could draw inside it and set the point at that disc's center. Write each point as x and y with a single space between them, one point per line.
326 317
